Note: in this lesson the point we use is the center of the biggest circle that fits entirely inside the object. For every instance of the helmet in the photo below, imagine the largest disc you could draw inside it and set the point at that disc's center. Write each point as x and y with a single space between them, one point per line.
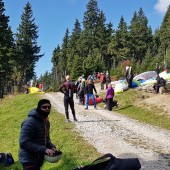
54 158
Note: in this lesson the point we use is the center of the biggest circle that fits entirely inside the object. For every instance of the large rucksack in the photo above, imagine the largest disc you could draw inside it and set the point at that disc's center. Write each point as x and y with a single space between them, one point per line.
110 162
6 159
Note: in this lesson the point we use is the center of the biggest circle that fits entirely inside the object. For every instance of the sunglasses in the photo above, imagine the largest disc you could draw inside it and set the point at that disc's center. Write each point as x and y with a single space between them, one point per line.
45 107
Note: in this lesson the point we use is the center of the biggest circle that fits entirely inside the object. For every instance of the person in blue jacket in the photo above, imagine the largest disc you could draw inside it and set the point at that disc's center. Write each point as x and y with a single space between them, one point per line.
34 141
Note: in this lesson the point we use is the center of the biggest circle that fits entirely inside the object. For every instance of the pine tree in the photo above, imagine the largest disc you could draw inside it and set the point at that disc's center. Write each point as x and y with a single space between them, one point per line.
118 47
164 35
95 37
73 46
46 81
140 36
64 53
26 44
55 61
6 44
90 22
77 68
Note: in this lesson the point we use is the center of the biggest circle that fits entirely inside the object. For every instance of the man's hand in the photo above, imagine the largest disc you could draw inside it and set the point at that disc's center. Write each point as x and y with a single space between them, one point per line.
49 152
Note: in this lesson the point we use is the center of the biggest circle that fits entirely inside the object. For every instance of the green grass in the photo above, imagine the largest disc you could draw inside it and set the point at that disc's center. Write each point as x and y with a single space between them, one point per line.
14 109
76 151
127 106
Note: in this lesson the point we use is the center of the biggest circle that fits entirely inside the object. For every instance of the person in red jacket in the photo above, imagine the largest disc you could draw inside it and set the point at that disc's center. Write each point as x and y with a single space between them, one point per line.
109 96
102 80
41 87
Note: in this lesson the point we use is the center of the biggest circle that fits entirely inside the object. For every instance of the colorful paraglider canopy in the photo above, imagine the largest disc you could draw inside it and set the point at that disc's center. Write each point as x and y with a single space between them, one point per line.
165 75
33 90
146 75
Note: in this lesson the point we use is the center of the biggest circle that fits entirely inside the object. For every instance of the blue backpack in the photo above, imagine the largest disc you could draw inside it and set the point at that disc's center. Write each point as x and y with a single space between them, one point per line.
6 159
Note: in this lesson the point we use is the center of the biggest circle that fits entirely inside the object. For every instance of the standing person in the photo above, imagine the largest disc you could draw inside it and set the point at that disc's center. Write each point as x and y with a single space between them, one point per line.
89 93
77 83
37 85
158 67
98 75
107 79
129 76
34 139
81 89
68 88
102 80
165 67
41 87
109 96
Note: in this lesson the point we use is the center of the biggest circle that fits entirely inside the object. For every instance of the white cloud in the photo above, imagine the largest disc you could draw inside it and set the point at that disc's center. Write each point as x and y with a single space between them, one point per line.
162 5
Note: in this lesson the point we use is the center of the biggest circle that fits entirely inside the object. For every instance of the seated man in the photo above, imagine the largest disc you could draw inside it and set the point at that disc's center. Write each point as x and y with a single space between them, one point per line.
160 83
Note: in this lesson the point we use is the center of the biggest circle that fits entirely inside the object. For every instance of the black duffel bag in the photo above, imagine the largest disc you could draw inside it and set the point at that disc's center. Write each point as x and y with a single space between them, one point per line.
109 162
6 159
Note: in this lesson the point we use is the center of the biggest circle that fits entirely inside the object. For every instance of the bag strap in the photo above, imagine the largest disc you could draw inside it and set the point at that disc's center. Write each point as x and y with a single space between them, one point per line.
108 155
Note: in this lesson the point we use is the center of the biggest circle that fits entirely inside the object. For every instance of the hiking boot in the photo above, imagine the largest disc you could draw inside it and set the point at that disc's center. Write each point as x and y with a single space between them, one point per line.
86 108
67 120
95 108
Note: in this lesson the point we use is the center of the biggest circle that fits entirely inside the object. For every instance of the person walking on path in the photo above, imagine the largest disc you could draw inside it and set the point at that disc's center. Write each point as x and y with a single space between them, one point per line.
109 96
68 89
34 139
89 93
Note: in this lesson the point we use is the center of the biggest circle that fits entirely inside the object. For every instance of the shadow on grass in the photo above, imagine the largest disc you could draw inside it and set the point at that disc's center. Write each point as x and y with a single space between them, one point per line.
16 166
123 108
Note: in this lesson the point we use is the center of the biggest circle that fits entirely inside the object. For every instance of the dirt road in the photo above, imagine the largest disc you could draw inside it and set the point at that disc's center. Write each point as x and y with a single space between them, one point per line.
110 132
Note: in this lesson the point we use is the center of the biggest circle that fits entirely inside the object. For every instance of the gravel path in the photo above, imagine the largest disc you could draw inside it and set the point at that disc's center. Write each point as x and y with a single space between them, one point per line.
110 132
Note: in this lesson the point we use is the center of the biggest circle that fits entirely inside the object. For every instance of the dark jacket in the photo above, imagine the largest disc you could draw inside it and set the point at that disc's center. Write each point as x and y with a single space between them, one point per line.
68 88
34 139
108 79
89 89
160 81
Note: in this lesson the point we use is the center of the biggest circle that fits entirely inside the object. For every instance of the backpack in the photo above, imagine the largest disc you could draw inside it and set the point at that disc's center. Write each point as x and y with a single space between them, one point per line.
6 159
110 162
162 81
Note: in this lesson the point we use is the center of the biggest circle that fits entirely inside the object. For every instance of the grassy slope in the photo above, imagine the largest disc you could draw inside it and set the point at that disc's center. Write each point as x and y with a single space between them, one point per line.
151 116
14 109
127 106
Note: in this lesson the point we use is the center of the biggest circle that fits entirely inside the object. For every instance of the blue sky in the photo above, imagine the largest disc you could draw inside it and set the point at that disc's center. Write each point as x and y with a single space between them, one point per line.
54 16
